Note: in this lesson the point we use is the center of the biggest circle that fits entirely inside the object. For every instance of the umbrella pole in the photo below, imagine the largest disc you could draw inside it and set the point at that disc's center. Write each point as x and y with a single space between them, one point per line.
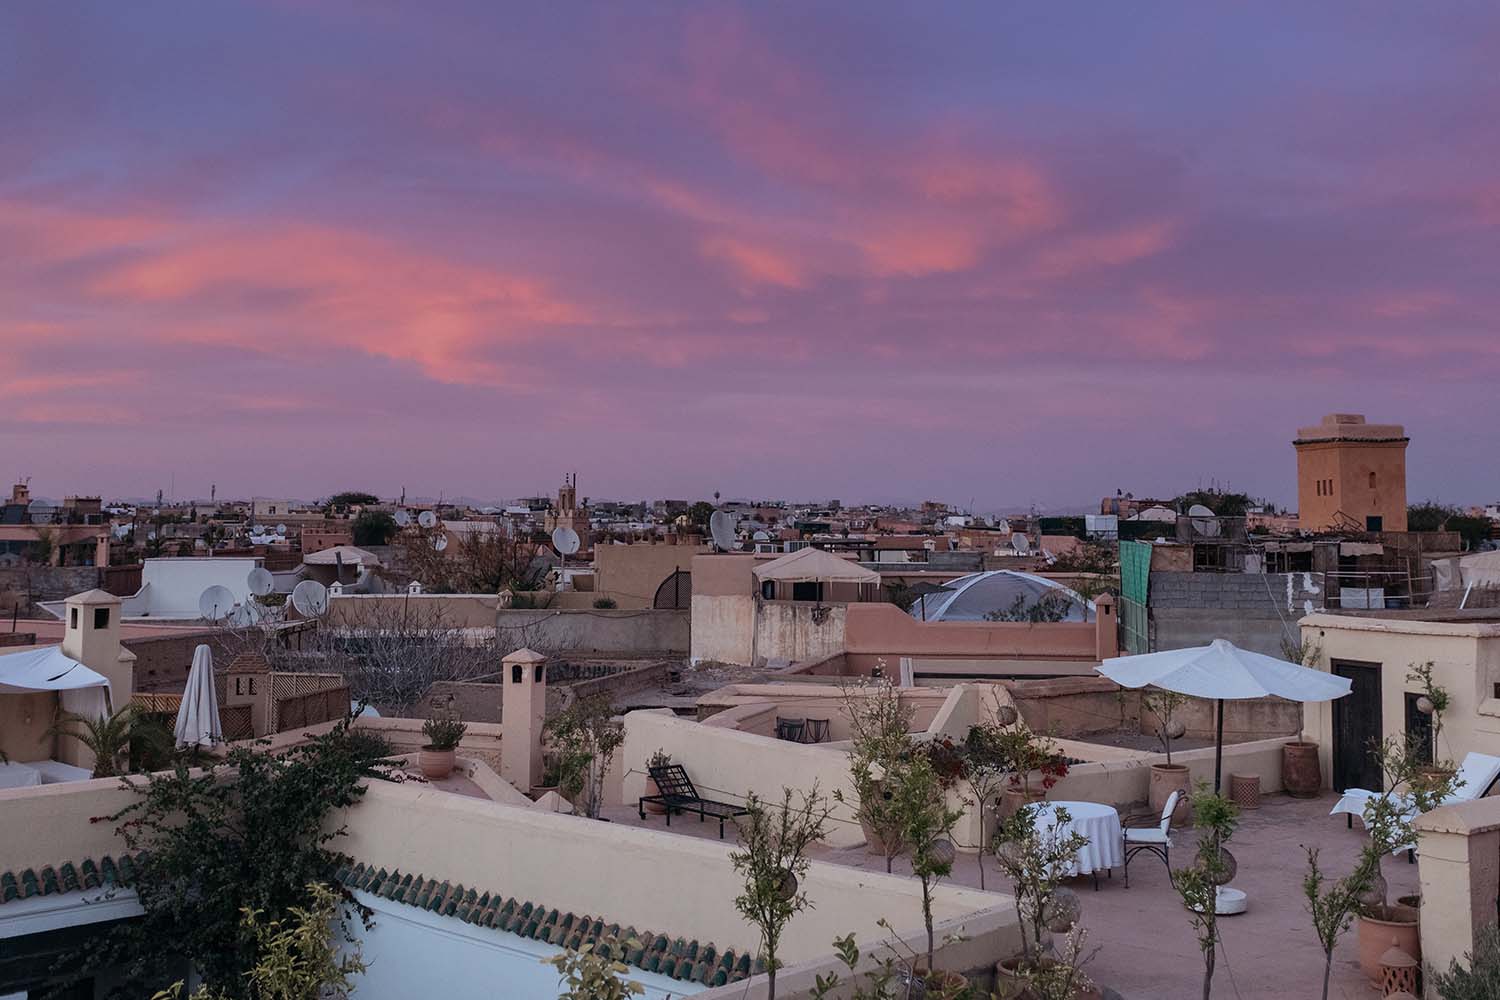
1219 747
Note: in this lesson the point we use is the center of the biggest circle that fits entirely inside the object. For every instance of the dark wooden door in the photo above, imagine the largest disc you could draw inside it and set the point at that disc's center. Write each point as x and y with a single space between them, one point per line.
1356 727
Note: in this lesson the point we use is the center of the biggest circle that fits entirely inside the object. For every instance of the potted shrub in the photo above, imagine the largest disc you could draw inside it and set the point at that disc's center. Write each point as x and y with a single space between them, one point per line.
880 746
1168 777
658 759
1213 866
443 736
1389 821
1433 702
585 737
1027 751
1301 772
1034 856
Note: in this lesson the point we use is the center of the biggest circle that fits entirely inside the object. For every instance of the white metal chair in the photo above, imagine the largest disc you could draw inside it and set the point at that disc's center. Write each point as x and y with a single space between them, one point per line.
1155 839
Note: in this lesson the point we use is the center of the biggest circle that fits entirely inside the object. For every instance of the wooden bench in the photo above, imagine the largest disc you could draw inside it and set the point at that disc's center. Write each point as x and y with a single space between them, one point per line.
677 794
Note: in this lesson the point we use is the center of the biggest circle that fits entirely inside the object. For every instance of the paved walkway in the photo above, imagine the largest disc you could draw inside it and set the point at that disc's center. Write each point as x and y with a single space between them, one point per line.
1147 948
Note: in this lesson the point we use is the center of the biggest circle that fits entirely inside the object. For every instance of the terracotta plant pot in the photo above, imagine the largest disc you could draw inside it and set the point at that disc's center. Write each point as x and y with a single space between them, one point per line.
1429 776
1014 798
1009 985
876 844
435 765
654 807
1166 779
1382 927
1301 774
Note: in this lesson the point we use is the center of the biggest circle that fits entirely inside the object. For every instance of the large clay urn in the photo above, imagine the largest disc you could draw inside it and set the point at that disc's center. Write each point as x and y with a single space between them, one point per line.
1301 774
1166 779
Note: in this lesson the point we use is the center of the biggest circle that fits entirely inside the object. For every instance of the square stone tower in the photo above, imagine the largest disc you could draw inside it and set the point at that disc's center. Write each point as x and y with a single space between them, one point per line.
1351 475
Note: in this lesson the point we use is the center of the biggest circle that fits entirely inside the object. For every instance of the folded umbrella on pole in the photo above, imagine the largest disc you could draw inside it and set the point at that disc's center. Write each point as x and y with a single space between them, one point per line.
198 716
1222 671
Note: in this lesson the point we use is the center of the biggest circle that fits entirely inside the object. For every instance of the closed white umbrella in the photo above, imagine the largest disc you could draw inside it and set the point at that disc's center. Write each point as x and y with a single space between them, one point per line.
1221 670
198 715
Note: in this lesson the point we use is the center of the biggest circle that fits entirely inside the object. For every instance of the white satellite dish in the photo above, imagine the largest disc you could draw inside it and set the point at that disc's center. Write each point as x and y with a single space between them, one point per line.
1020 543
248 613
402 519
565 541
310 598
1205 522
440 542
216 603
42 511
427 519
260 581
281 529
761 536
721 527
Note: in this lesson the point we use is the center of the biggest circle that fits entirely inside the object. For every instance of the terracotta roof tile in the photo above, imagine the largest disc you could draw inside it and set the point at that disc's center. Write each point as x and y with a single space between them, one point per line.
249 663
651 952
67 877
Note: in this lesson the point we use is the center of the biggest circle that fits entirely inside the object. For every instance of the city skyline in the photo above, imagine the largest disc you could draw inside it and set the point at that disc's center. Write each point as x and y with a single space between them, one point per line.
763 251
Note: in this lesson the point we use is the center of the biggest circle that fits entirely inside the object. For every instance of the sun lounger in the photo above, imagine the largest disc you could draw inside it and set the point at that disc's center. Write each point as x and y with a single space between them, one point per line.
679 795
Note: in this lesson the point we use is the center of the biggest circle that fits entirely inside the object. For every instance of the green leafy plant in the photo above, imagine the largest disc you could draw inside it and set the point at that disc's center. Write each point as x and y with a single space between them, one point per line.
1164 705
298 959
773 860
895 975
605 603
659 758
926 825
373 527
986 773
1332 906
880 745
1481 980
1035 856
251 834
109 737
443 732
585 738
1198 884
589 973
1437 697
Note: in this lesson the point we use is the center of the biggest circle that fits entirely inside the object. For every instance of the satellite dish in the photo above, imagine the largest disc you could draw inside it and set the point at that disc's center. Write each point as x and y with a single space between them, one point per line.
216 603
440 542
721 527
260 581
281 529
1205 522
310 598
42 511
427 519
761 536
150 536
402 519
565 541
1020 543
248 613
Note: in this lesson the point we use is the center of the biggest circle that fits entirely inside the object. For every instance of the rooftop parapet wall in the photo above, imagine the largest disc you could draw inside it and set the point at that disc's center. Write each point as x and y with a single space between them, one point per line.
886 630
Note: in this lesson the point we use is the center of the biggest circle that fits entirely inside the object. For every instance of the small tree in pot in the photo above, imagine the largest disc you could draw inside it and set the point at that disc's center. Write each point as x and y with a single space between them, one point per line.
444 733
1213 866
1168 777
1036 853
586 737
986 774
926 824
880 744
774 841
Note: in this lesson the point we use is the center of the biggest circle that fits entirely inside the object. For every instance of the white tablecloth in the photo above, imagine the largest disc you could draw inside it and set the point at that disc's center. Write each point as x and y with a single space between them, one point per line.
14 775
1099 823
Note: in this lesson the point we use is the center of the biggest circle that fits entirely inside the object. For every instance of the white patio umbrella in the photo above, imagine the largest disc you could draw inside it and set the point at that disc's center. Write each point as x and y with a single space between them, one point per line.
198 715
1222 671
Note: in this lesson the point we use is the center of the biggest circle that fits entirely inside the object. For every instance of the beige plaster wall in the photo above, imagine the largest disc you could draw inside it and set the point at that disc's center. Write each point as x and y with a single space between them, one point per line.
1465 658
723 628
631 573
884 629
648 878
24 721
1459 858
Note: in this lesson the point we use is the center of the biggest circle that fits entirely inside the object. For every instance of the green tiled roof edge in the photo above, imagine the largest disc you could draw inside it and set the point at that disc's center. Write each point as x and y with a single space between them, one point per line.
675 958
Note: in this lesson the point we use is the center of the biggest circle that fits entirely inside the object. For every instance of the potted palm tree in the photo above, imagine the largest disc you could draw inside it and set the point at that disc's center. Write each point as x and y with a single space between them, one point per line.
109 737
443 733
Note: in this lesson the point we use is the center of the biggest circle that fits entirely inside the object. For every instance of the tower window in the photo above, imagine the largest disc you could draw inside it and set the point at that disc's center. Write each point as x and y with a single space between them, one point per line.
101 618
72 618
1372 480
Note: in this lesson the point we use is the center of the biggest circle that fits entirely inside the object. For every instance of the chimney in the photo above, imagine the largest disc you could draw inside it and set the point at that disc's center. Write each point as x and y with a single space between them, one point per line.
523 711
1106 627
92 637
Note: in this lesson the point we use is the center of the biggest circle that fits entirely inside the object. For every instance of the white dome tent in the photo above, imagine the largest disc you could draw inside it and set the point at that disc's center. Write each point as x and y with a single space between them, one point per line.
970 598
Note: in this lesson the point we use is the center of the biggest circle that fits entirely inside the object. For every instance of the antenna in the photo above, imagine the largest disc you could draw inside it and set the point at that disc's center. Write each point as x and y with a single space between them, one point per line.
310 598
403 519
215 603
260 581
427 519
565 540
721 527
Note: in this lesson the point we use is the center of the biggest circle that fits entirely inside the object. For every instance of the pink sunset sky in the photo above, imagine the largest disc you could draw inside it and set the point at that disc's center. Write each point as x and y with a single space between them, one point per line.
1004 253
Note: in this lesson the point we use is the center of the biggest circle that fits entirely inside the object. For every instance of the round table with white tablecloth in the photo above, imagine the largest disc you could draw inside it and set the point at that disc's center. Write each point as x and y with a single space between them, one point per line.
1099 823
